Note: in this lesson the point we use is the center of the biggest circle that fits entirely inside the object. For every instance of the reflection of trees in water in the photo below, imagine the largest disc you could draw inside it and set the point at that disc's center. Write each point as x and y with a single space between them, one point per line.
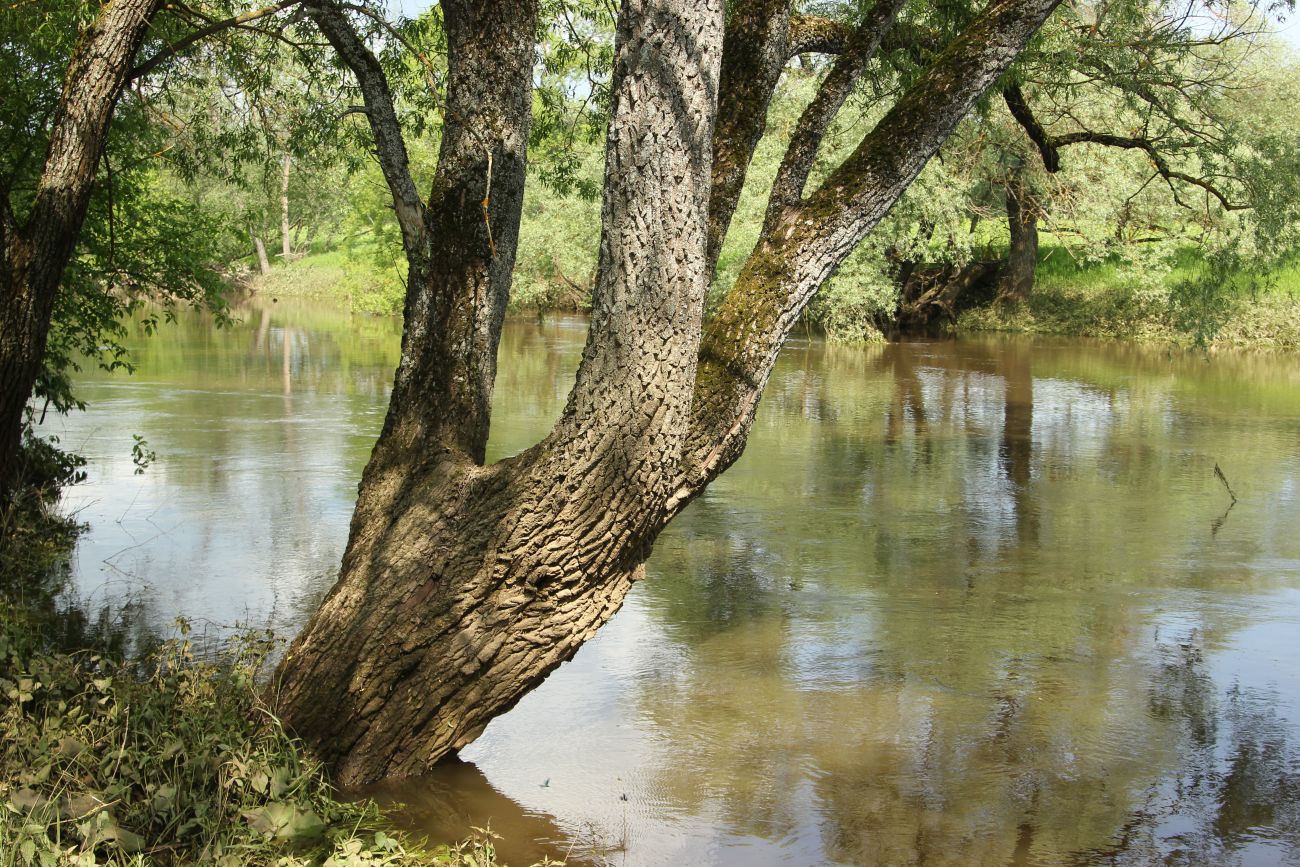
39 586
1235 793
924 634
456 800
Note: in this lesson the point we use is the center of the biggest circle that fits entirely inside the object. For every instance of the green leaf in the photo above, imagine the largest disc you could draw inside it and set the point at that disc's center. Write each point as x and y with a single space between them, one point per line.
27 800
285 822
279 782
70 748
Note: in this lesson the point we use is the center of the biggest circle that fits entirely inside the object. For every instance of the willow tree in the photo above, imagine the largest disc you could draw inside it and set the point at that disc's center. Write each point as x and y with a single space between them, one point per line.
463 583
66 73
38 236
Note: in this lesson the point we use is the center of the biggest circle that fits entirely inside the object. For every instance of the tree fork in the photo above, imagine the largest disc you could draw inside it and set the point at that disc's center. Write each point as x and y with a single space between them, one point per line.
463 585
797 252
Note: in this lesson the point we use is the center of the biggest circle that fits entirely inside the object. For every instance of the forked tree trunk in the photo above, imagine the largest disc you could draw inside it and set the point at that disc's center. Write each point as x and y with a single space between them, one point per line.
463 585
36 252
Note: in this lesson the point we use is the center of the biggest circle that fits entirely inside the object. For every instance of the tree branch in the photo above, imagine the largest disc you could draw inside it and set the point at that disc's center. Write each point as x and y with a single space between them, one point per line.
791 177
176 48
1019 107
1049 147
392 31
389 145
1158 161
813 34
754 52
792 261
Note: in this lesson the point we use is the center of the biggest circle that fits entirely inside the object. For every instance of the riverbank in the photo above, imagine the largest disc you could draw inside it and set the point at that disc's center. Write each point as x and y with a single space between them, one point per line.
1099 299
1270 321
154 755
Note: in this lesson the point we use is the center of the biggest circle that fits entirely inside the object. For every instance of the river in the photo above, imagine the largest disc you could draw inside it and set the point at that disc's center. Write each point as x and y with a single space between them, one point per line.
971 602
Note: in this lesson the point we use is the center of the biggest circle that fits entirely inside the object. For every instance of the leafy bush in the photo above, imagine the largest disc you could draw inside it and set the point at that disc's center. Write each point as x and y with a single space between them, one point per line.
169 760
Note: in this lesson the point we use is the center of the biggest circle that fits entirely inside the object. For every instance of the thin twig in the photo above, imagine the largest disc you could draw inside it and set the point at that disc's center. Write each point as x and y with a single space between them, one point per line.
1218 472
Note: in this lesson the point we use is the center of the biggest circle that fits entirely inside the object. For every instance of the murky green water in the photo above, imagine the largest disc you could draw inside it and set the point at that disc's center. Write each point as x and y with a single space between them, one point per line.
968 603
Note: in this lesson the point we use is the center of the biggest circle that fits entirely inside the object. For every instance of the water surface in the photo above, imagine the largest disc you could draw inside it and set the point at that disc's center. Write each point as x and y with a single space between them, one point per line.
975 602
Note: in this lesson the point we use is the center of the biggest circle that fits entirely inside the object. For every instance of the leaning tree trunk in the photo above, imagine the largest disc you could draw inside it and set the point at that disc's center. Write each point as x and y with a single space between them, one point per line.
37 251
263 263
1016 283
463 585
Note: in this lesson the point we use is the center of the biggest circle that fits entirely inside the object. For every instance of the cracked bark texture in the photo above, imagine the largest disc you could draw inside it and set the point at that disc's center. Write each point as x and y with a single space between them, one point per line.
36 252
464 585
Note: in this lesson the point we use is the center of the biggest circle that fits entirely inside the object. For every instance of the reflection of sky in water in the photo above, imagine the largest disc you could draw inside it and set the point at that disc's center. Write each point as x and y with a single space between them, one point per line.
959 603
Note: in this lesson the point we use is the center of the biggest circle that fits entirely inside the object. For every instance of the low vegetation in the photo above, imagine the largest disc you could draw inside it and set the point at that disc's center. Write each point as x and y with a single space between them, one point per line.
156 756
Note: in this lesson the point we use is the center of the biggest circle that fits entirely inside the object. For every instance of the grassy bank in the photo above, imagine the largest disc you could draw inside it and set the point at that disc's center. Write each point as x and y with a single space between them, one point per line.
1106 299
155 756
1109 300
354 275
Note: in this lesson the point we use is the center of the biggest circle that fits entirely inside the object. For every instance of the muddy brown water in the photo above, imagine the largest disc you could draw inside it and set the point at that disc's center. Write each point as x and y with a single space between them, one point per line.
973 602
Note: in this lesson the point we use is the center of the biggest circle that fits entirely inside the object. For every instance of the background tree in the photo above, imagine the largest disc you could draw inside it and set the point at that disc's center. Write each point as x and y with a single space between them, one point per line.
94 88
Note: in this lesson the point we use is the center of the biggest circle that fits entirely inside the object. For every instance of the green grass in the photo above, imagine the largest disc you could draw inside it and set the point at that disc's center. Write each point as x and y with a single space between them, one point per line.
1108 299
356 275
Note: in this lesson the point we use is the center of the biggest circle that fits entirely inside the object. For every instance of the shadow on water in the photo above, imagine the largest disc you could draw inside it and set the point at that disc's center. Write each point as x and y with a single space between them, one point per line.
459 801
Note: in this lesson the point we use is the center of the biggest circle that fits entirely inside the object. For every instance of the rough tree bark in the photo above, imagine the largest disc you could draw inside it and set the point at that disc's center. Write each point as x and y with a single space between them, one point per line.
36 251
463 585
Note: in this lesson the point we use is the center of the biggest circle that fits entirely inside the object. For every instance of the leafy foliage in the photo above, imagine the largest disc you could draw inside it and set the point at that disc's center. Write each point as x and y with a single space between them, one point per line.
169 760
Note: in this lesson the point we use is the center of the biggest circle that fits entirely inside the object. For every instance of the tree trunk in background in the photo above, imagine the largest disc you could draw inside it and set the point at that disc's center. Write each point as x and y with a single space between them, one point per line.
263 263
464 585
286 242
1017 279
36 252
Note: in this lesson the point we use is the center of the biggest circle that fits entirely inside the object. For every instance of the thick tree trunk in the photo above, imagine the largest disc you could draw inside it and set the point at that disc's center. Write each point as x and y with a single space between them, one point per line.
21 348
286 241
36 253
463 585
263 263
1017 280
